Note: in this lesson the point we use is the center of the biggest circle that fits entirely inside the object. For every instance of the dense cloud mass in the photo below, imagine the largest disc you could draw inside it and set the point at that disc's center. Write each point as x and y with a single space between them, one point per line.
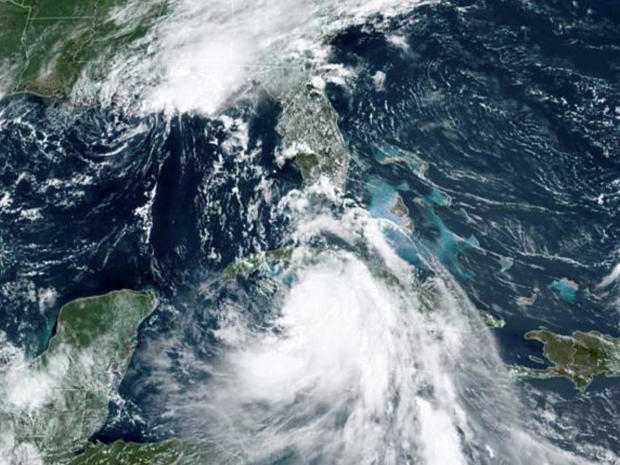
378 232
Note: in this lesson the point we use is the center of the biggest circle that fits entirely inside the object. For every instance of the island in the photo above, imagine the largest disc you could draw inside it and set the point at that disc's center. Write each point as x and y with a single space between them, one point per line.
177 452
579 357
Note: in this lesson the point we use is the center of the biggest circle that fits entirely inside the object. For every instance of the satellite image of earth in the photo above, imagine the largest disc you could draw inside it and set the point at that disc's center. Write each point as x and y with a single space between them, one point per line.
318 232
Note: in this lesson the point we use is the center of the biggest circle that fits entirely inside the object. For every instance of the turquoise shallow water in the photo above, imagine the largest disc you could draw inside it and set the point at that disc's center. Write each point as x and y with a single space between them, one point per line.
491 146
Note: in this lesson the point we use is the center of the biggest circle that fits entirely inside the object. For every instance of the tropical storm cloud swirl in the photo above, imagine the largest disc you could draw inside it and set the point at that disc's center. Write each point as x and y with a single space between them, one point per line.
357 232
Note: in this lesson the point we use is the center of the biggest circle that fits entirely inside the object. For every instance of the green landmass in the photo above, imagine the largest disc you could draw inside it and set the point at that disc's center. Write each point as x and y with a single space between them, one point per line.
55 403
46 44
402 212
579 357
245 266
310 135
175 452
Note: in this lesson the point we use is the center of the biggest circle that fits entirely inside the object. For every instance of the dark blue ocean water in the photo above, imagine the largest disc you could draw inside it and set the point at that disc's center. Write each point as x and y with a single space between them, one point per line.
496 122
